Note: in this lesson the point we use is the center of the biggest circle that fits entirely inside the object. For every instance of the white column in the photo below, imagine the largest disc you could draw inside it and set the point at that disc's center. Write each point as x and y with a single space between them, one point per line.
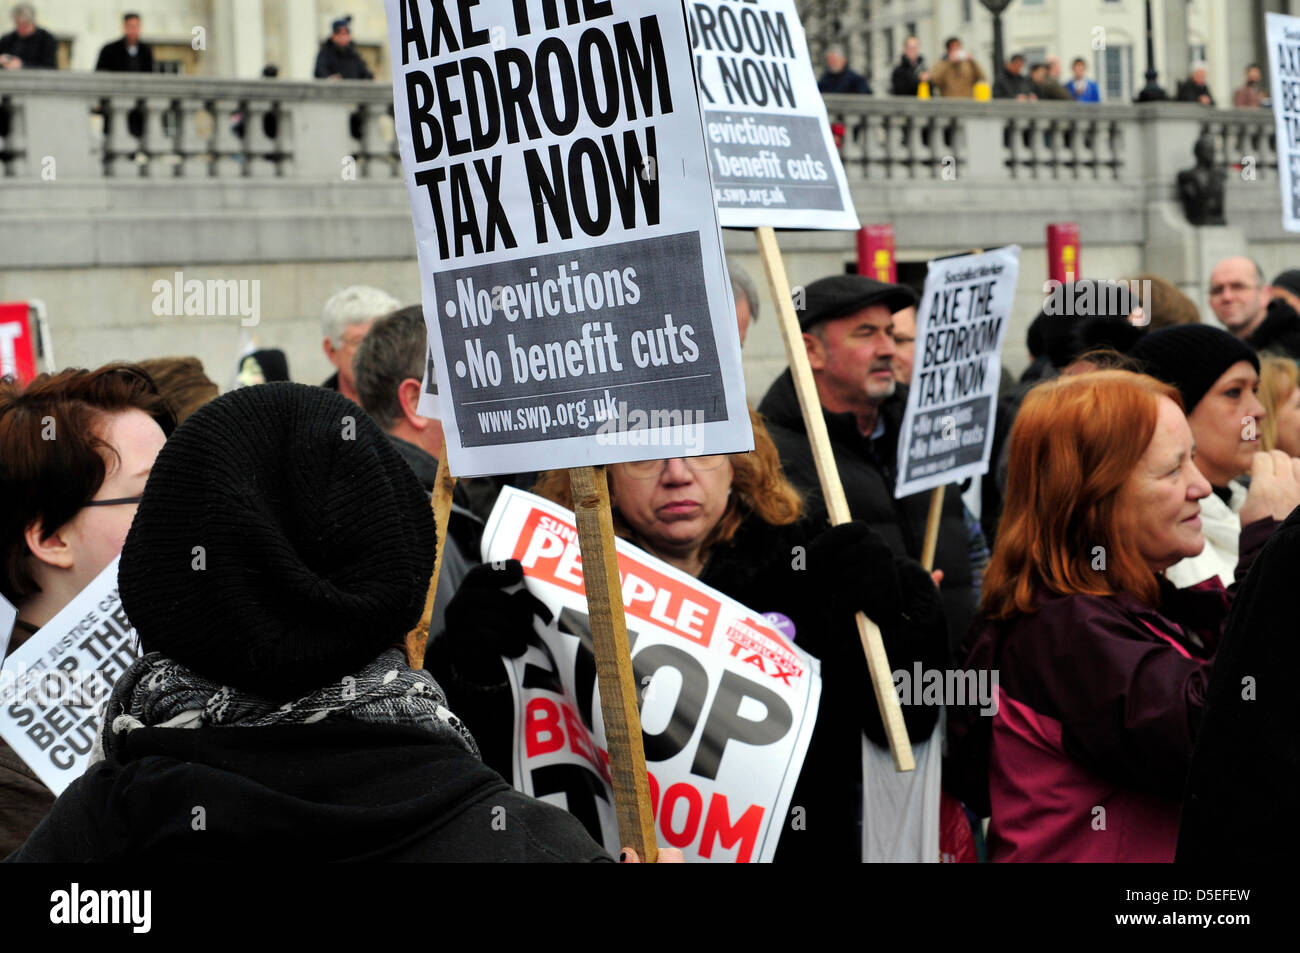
249 39
301 39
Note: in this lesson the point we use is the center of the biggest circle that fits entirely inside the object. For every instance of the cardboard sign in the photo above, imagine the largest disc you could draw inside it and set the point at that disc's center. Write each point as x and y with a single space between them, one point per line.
573 280
771 151
727 701
17 341
1284 70
947 431
54 687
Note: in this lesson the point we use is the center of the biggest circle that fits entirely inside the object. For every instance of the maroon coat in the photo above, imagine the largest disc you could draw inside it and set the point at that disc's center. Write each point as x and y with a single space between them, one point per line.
1099 702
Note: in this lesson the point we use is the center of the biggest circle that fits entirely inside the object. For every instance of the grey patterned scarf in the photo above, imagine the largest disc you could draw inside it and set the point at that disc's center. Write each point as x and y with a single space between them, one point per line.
157 692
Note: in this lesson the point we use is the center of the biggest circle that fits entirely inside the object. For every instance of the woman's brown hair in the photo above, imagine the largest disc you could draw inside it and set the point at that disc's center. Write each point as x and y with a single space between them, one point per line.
1072 449
758 486
52 459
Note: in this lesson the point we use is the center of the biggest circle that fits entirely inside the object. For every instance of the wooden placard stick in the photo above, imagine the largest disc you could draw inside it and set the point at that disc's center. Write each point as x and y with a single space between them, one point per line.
837 508
618 703
444 484
932 528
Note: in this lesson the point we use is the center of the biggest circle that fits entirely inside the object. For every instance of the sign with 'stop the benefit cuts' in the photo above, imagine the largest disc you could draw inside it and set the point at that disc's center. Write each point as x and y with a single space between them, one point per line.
571 259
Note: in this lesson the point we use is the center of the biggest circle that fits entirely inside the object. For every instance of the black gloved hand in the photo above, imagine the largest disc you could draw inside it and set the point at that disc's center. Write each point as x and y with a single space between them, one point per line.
852 569
484 622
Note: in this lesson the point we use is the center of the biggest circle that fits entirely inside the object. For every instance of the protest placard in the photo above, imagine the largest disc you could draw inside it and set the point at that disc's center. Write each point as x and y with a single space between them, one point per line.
571 259
728 702
947 429
771 151
54 686
1284 69
8 616
18 348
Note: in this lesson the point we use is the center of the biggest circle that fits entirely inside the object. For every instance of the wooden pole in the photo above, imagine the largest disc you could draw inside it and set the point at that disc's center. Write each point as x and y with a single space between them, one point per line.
618 703
932 528
443 486
837 508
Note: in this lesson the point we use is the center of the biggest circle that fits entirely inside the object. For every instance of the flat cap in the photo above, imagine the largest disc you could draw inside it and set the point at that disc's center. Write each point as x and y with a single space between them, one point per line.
841 295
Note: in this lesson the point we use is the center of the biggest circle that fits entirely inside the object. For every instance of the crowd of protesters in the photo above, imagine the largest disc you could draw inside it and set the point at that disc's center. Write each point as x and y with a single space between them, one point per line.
1144 478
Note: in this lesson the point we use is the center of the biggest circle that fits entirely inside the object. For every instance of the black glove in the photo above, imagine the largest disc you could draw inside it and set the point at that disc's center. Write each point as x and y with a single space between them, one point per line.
484 622
852 569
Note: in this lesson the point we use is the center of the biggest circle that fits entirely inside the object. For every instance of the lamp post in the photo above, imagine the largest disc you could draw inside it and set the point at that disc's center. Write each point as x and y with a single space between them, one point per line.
996 7
1151 92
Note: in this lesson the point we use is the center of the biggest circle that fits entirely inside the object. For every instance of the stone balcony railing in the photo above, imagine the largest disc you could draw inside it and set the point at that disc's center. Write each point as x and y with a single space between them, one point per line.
206 170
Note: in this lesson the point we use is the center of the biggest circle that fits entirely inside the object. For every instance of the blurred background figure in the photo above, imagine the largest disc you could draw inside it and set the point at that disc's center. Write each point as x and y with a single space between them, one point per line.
746 295
28 46
1279 392
338 58
838 78
1251 94
911 71
183 383
345 319
128 54
1194 89
1081 88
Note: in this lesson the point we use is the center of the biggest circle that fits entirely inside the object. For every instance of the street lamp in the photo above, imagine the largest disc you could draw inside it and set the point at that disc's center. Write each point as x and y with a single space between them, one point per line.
1151 92
996 7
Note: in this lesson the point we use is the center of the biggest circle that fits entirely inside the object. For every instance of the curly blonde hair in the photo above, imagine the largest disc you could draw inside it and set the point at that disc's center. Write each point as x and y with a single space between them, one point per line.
758 486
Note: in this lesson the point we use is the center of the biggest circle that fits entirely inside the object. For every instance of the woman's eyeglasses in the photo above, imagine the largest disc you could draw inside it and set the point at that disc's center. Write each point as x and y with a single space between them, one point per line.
646 469
119 500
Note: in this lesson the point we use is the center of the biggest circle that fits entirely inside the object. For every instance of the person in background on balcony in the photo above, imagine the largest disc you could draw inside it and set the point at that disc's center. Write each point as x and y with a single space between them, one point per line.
128 54
1012 83
911 71
345 320
338 58
28 46
838 78
1251 94
1082 89
956 75
1193 89
1048 83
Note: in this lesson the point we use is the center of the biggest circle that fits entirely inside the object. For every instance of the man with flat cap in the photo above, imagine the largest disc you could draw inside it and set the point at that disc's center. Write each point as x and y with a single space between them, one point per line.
848 329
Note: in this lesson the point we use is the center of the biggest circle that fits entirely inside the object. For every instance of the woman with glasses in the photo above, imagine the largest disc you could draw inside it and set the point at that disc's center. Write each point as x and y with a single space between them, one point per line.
75 450
733 522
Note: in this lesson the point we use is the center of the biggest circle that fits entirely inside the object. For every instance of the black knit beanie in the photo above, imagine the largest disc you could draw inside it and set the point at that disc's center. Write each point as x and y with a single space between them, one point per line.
281 542
1191 357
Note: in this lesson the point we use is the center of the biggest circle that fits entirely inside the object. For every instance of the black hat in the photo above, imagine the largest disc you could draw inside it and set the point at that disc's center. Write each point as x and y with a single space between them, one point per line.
281 542
1191 357
1290 280
841 295
340 22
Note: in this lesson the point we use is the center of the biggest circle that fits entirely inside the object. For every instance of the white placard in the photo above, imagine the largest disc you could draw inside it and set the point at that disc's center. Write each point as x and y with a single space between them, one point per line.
571 259
54 687
771 150
727 702
1284 71
947 431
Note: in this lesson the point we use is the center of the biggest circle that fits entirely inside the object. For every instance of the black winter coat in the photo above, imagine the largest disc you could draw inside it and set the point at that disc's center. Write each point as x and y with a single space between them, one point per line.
906 78
332 791
758 568
345 63
114 58
1244 782
867 470
1279 332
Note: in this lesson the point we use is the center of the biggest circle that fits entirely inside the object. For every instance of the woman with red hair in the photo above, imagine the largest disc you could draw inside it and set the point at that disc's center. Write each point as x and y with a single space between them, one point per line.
1100 663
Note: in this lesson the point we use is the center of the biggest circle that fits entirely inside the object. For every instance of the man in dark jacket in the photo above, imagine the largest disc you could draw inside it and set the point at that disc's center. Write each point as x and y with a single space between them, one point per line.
910 72
306 734
28 46
848 331
338 58
838 78
1012 83
1194 89
388 373
128 54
